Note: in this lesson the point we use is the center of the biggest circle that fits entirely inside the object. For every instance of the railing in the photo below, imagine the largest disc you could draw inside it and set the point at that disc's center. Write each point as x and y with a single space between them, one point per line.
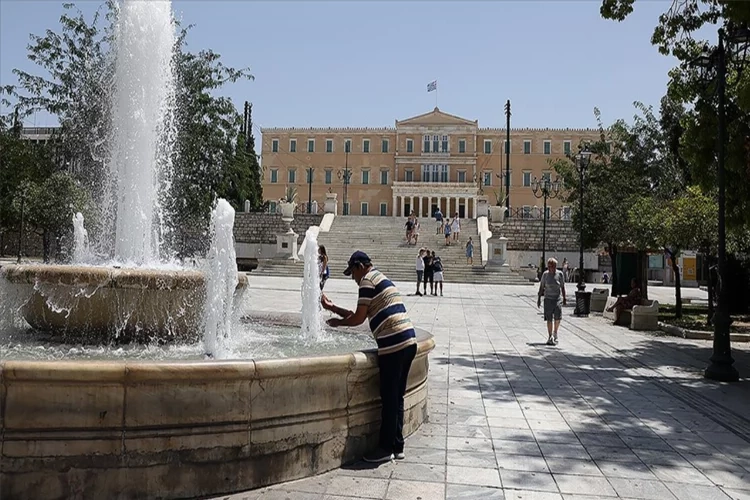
536 213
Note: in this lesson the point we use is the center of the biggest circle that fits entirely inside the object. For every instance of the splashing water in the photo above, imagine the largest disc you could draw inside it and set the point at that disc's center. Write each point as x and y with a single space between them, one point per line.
312 318
143 103
221 281
81 252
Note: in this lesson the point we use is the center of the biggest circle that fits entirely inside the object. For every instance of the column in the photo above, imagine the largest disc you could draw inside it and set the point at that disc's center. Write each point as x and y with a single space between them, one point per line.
474 207
418 204
403 205
456 201
393 206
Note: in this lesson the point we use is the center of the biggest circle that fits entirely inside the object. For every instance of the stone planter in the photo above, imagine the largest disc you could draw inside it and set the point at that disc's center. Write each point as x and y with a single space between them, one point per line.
482 206
497 214
331 206
287 210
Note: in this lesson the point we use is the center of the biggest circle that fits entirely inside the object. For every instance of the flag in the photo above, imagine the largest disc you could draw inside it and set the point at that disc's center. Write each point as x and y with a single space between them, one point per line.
432 86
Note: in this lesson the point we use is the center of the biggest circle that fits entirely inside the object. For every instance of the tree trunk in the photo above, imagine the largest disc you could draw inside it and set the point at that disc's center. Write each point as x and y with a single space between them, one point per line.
642 273
612 250
45 246
710 281
677 281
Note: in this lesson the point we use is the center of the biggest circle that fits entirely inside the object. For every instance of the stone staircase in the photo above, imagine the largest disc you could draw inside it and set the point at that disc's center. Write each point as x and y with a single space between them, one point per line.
383 239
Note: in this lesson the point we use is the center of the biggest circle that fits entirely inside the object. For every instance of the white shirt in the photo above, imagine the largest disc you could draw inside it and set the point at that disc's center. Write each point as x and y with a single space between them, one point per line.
420 263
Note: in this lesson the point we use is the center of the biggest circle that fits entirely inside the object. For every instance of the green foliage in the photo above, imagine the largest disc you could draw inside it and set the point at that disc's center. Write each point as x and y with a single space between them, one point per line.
242 178
690 222
290 195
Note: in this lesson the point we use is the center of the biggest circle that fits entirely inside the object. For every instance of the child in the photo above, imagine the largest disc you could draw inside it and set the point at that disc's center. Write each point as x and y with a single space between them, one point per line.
470 252
447 232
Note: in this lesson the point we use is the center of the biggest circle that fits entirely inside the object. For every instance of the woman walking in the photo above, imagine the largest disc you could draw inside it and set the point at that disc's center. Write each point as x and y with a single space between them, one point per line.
456 227
470 252
447 232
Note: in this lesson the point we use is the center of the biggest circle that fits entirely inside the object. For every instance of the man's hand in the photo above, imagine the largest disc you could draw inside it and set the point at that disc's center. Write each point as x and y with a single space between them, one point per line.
326 303
538 302
334 322
565 301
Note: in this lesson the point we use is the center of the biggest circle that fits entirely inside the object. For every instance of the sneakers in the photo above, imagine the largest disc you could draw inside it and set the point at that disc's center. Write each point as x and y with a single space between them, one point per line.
554 339
550 341
378 456
400 455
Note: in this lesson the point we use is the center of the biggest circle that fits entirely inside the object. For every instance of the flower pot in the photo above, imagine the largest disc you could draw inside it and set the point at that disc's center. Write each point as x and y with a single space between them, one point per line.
287 210
497 213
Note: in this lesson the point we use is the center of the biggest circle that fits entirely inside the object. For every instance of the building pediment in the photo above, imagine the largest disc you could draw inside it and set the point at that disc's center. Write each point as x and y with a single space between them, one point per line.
436 117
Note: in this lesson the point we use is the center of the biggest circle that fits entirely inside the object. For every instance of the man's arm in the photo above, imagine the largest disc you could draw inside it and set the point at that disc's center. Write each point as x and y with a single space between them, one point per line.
561 279
330 306
359 317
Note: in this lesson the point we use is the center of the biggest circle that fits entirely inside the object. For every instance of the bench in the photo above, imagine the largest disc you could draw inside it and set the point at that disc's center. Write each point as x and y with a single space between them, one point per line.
642 317
599 298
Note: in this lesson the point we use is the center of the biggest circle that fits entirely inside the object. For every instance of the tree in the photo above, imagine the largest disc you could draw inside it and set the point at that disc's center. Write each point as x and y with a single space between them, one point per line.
242 178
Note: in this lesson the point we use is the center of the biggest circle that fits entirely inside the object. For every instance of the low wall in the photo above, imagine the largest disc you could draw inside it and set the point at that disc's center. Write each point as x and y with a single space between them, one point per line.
262 228
108 429
526 234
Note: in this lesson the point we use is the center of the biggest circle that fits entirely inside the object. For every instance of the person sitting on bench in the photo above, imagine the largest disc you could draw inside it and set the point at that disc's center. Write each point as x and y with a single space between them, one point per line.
627 302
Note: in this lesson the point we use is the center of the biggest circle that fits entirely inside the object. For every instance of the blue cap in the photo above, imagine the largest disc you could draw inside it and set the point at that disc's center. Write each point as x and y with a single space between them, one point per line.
357 257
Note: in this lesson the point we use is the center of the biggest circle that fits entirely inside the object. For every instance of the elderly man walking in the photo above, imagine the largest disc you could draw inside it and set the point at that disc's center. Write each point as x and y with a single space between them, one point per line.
380 302
552 288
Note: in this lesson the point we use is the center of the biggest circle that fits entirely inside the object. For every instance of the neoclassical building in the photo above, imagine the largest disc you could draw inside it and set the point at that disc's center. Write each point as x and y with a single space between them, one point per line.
422 163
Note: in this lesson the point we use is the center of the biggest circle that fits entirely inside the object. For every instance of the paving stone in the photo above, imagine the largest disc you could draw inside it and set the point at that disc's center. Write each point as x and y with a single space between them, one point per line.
521 480
464 443
470 458
639 488
696 492
357 487
594 486
572 466
522 463
475 476
531 495
415 490
632 470
685 475
463 492
421 472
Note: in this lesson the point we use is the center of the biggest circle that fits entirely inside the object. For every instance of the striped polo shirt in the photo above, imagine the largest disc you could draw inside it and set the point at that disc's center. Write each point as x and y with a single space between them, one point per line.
389 322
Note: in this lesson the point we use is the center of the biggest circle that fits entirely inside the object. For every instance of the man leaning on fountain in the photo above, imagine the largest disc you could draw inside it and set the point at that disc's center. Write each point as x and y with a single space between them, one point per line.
380 302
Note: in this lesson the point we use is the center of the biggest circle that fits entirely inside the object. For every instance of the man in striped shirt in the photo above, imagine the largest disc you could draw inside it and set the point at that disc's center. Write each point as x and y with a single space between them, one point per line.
380 302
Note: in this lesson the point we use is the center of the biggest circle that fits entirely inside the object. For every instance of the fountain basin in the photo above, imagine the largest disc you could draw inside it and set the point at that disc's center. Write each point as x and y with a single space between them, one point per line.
109 302
189 429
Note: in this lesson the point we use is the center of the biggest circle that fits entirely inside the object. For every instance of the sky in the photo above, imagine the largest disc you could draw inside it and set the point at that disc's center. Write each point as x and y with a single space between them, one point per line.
367 64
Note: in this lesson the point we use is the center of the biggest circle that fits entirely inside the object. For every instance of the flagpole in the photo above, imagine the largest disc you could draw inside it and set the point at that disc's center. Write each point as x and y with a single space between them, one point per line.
436 94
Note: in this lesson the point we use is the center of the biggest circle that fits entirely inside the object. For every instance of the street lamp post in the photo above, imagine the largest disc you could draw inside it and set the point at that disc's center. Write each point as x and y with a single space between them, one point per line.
309 189
721 368
345 175
547 189
582 298
507 158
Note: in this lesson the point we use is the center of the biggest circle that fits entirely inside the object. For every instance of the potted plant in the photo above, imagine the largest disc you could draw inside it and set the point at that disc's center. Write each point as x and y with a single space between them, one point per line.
497 212
288 202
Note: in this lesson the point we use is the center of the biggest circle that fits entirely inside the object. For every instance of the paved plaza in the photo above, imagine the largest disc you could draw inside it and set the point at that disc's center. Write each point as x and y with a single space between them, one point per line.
608 413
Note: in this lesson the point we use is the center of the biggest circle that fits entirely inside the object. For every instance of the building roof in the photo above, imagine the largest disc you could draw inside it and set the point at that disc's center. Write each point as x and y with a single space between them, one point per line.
436 117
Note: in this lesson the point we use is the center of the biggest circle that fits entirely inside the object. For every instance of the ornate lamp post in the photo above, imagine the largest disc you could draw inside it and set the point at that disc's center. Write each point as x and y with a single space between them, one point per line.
346 175
545 188
310 171
583 298
733 45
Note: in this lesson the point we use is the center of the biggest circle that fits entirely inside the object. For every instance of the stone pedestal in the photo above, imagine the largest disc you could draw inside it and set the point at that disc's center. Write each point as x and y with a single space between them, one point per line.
482 206
498 253
332 204
286 245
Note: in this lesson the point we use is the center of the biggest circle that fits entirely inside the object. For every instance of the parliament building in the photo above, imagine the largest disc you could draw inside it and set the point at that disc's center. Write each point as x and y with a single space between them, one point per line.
422 163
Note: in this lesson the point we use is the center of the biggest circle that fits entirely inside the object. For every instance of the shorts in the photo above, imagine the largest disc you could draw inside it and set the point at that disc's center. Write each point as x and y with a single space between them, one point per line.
420 274
429 277
439 276
552 309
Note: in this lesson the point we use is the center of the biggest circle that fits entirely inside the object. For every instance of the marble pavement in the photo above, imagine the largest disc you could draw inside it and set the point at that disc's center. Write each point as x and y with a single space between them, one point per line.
608 413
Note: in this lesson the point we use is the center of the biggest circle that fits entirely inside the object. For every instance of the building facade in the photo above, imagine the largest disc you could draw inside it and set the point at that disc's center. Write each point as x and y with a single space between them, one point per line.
430 161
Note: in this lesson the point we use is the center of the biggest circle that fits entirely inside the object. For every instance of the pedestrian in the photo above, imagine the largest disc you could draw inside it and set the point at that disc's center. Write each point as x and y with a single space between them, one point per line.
380 302
409 228
420 271
437 267
470 252
429 272
447 232
456 229
552 288
323 270
439 219
415 231
565 269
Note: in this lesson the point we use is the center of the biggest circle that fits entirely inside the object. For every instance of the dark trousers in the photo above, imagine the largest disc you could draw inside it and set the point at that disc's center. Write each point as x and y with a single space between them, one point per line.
394 371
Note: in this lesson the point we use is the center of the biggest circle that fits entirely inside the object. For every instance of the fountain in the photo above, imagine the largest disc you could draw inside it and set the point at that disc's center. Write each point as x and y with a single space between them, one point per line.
110 393
312 319
81 250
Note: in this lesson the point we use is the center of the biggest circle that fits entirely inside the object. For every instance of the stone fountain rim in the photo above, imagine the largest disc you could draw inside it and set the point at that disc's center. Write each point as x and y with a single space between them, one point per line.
133 371
106 276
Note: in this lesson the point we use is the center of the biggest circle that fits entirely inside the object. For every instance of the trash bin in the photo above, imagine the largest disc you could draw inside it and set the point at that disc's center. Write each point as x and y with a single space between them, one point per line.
583 303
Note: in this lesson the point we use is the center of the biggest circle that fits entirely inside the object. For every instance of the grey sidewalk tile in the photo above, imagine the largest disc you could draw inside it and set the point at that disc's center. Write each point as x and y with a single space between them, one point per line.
357 487
512 434
280 495
531 495
632 470
465 492
470 431
434 456
696 492
654 457
564 451
595 486
522 480
474 476
420 441
503 447
573 467
419 472
563 437
639 488
684 475
737 478
600 439
471 458
737 494
473 444
436 430
508 423
612 453
415 490
524 463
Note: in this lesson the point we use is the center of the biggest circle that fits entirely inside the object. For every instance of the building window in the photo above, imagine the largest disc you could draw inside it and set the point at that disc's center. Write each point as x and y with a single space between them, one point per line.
292 177
566 213
566 147
311 145
409 146
435 143
366 146
293 146
329 145
507 147
444 144
527 179
526 214
527 147
383 209
487 178
462 176
329 176
426 148
363 208
346 208
462 146
547 147
384 177
274 175
435 173
272 207
348 146
365 177
409 175
384 147
309 175
275 146
487 147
